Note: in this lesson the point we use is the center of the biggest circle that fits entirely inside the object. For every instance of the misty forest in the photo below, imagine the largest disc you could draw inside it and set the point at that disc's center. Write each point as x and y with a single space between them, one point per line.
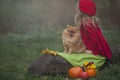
29 26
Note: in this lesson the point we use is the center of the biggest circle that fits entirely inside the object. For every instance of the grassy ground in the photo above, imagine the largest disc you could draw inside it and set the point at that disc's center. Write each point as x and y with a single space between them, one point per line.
17 51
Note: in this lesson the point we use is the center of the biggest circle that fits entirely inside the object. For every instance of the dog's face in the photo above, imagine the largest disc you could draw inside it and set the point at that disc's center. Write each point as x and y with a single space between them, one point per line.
71 34
71 31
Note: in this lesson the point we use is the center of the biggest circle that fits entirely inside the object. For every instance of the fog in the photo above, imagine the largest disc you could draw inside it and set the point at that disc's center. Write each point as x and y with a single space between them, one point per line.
24 15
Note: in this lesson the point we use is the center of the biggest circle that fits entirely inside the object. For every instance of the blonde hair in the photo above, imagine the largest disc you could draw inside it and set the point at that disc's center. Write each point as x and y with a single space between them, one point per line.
83 18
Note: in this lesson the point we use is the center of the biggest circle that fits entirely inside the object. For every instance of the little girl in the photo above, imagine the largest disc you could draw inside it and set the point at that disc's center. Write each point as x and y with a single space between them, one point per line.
91 33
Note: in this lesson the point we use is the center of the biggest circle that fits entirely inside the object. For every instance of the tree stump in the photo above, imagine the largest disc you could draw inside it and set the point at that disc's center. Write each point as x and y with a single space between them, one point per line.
49 64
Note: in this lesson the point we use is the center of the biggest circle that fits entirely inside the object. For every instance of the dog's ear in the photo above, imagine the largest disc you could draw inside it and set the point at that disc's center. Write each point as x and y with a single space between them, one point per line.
68 25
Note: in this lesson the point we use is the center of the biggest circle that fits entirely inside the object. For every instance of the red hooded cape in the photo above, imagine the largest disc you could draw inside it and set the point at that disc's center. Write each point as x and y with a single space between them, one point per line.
94 40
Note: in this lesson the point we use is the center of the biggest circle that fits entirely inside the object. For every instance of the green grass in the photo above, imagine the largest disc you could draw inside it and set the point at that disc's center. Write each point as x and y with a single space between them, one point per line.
17 51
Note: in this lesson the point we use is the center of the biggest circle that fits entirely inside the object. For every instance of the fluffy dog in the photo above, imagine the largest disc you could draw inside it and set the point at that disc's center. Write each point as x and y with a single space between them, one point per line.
72 40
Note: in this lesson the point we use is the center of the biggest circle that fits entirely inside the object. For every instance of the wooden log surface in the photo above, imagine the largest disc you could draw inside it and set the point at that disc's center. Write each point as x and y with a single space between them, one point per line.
49 64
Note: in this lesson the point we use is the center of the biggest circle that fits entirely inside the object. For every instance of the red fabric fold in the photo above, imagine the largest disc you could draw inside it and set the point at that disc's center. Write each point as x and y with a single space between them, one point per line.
94 40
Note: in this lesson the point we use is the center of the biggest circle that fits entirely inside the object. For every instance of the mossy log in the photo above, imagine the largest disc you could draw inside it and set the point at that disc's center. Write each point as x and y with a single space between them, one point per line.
50 65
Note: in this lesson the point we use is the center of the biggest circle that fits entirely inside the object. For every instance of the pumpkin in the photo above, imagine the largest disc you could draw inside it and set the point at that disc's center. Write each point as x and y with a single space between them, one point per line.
83 75
74 72
91 72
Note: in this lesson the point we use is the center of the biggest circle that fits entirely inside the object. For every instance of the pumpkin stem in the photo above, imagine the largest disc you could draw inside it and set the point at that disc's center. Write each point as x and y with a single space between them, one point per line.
83 68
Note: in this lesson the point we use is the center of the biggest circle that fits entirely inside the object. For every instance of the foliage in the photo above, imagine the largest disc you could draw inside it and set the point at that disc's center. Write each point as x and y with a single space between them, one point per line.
17 51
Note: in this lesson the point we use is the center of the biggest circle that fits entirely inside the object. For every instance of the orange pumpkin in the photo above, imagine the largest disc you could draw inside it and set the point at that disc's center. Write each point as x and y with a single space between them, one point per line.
74 72
91 72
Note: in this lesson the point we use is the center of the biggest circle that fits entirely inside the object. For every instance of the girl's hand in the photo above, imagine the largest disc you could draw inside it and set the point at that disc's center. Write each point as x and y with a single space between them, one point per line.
88 51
